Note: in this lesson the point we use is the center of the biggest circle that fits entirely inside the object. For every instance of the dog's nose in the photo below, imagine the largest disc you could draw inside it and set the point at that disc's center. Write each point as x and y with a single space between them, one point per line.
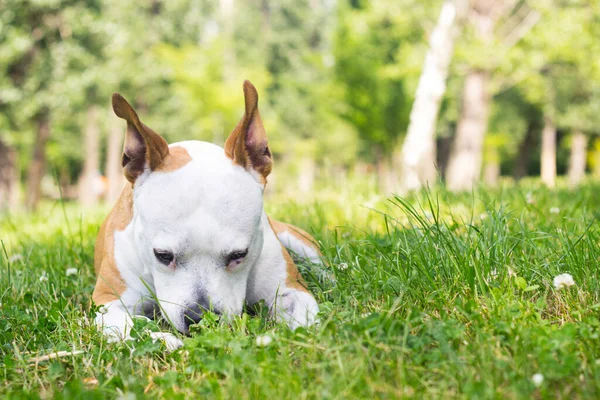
193 314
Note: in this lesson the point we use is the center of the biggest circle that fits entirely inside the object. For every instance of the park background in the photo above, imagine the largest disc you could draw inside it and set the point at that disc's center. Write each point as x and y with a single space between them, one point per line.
444 154
392 94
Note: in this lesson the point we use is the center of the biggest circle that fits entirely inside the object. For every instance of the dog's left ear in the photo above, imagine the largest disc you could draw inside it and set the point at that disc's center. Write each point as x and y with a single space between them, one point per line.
247 145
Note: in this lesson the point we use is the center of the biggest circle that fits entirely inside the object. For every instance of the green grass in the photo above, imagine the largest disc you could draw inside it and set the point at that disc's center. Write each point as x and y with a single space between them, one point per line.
433 296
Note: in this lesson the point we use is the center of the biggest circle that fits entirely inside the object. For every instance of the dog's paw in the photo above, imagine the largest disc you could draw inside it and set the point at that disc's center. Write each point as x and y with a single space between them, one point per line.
171 341
297 308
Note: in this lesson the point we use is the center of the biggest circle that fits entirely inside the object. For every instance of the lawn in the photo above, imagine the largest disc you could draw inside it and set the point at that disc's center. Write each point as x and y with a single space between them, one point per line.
434 295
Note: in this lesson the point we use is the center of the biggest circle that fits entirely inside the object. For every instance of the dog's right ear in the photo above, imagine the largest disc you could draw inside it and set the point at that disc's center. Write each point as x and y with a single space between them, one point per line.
143 147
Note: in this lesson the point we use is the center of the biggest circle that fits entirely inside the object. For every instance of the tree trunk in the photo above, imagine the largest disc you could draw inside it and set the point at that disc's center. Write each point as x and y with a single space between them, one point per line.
113 169
9 177
596 158
491 172
37 167
525 149
548 157
417 159
464 165
384 173
306 177
89 189
577 161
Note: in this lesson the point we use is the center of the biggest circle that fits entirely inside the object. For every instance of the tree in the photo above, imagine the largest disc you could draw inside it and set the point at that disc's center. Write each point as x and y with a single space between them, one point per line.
486 48
557 75
377 85
417 165
46 50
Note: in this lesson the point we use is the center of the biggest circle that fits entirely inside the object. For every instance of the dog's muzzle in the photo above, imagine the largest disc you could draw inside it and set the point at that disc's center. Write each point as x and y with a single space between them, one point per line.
193 314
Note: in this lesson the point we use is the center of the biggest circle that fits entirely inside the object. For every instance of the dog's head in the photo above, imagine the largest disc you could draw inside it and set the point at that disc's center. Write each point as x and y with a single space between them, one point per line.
197 212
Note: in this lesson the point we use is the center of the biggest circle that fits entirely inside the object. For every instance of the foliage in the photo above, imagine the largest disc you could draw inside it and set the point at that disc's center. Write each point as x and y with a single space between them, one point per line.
336 79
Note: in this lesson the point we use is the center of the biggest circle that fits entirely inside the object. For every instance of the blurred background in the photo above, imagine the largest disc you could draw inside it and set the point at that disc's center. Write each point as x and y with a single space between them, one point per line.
390 94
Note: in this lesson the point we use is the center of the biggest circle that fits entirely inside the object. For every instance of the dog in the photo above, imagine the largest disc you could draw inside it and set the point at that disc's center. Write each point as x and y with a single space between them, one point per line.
189 233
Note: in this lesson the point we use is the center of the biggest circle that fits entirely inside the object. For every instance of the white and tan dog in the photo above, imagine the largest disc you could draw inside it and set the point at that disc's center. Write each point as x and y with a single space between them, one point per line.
189 232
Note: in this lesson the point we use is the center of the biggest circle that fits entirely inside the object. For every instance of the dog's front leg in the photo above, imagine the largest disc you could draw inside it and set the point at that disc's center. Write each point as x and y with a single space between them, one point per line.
115 320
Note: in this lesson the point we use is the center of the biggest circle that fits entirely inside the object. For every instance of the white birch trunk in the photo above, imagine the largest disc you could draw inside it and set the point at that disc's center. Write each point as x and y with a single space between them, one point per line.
418 156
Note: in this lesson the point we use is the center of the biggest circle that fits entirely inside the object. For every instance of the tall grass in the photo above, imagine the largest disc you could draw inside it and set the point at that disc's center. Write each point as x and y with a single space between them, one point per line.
435 295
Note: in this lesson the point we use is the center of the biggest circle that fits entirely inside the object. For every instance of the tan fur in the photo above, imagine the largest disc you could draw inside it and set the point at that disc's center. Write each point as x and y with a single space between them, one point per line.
177 158
294 279
298 233
110 285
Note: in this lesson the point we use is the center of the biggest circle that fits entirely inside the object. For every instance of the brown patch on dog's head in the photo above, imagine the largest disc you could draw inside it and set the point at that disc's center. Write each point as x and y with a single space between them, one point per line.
177 158
247 145
143 146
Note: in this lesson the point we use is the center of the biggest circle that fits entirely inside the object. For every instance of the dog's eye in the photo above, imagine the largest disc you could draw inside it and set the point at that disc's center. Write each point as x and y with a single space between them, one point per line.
165 257
236 257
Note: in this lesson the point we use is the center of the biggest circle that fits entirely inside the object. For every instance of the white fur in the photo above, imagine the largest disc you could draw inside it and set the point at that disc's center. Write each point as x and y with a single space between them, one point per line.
201 212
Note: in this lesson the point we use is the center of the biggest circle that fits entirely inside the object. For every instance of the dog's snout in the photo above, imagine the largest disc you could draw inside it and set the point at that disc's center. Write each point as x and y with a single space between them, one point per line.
193 314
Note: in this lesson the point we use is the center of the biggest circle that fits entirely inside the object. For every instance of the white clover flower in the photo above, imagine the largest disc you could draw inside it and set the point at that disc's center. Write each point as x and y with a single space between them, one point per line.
263 340
554 210
343 266
529 198
15 257
494 274
71 271
365 315
537 379
563 280
102 310
43 277
511 273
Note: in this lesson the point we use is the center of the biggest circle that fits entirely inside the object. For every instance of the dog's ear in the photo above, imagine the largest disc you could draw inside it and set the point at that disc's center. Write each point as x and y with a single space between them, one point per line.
143 147
247 145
